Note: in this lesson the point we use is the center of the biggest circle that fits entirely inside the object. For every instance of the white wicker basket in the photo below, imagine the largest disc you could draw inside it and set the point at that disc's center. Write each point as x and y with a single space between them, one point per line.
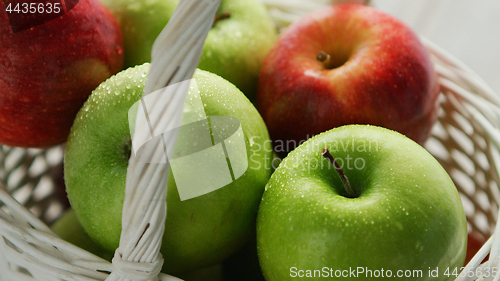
466 140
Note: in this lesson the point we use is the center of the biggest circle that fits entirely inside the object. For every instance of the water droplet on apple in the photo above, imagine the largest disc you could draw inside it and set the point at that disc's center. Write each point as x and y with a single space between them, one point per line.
419 246
309 257
303 246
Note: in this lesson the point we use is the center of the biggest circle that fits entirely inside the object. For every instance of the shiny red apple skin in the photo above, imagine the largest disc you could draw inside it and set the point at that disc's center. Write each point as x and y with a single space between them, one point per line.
474 243
48 71
387 78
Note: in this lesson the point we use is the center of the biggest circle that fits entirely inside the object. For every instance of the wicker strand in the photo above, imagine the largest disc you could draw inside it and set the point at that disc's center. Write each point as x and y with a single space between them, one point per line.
285 12
32 245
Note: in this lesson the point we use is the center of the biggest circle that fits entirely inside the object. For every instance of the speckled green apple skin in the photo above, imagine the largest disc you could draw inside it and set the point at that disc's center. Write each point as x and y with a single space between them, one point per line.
408 215
140 23
68 228
199 232
234 48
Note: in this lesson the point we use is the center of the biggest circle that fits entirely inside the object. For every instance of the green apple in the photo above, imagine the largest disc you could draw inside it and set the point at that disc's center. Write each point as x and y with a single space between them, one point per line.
140 23
199 232
244 265
212 273
235 47
404 218
68 228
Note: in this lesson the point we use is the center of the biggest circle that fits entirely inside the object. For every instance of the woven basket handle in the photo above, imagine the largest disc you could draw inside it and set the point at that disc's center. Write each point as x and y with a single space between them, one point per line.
175 56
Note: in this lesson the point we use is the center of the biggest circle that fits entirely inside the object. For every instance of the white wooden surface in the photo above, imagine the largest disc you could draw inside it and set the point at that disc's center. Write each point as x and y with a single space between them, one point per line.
467 29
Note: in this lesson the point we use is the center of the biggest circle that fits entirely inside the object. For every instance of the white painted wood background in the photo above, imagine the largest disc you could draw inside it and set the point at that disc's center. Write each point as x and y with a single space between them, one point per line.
467 29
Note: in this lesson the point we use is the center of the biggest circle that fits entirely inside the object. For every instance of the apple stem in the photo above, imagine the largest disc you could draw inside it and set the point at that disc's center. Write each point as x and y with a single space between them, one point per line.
347 186
324 58
221 16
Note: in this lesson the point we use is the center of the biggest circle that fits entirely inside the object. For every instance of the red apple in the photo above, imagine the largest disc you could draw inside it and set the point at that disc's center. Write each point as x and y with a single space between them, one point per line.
347 64
474 243
48 71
